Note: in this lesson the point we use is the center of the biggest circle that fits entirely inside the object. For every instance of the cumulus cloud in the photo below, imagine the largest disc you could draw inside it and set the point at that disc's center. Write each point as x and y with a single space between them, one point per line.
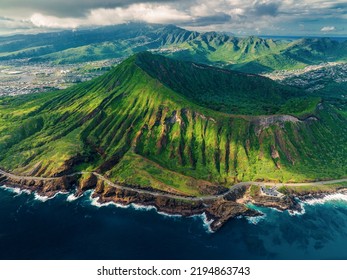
40 20
69 8
328 28
137 12
10 23
218 18
266 8
238 16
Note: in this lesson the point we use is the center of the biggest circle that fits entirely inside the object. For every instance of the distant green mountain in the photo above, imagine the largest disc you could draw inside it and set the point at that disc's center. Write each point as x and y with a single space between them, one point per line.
225 50
94 44
257 55
138 127
250 54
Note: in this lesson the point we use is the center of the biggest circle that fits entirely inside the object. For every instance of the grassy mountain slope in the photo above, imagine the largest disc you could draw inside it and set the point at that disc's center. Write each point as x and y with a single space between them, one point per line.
250 54
257 55
224 49
138 130
226 91
94 44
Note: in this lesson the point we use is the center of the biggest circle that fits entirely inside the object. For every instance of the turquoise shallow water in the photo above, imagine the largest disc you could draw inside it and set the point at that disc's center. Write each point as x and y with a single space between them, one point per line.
59 229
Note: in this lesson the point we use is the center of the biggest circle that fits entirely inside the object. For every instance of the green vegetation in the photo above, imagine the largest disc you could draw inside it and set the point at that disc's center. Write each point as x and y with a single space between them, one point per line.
138 128
254 191
327 188
301 107
226 91
252 54
257 55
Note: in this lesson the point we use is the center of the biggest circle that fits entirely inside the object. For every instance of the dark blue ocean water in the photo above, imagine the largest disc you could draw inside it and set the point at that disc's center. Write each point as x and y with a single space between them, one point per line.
58 229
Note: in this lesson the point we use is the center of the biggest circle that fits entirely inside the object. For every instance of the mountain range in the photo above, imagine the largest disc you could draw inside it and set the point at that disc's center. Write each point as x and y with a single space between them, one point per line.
250 54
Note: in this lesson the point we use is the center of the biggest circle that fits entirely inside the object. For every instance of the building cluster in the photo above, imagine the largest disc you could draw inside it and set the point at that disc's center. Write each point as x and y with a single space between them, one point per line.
21 77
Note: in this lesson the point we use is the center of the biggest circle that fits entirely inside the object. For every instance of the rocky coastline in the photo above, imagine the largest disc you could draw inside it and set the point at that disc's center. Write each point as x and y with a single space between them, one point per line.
217 210
321 195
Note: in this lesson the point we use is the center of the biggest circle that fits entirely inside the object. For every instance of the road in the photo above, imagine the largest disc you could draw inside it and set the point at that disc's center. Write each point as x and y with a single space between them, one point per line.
201 198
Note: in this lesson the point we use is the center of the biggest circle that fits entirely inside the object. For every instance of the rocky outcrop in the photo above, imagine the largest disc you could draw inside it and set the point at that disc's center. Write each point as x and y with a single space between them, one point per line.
317 194
280 203
218 208
262 122
237 193
220 211
43 187
87 183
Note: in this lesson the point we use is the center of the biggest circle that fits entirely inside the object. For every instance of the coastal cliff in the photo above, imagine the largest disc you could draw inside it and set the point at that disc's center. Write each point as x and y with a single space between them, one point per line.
218 208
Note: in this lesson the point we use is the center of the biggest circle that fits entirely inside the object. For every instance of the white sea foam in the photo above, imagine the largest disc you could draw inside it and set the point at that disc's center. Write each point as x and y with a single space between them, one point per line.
17 191
207 222
318 201
169 215
257 219
41 198
327 198
296 212
72 197
142 207
44 198
275 209
94 201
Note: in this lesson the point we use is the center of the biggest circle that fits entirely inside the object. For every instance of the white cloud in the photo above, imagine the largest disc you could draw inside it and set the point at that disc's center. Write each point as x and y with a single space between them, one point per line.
9 23
328 28
269 16
40 20
206 8
138 12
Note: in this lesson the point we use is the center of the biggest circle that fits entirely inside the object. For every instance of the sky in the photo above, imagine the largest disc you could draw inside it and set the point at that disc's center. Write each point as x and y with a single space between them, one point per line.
240 17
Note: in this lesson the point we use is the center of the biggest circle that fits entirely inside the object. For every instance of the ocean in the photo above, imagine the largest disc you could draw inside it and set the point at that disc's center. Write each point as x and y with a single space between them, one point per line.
66 228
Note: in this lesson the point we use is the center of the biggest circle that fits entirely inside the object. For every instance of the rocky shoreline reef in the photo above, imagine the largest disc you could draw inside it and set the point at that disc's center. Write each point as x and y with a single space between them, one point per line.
218 208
